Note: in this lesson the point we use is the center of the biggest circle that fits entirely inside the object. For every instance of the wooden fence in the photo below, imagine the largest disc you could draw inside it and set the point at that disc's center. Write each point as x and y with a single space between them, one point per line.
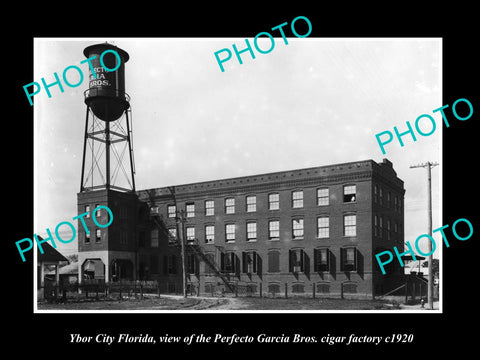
95 289
99 289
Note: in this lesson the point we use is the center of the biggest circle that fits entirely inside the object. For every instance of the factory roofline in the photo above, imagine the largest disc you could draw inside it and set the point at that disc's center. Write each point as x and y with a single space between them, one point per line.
327 172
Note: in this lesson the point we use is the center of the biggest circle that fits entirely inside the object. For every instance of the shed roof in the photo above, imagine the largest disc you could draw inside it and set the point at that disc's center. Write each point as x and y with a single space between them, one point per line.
49 253
70 269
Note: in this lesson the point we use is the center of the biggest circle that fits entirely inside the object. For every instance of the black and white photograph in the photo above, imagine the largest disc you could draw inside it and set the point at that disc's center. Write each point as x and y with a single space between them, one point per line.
269 195
229 184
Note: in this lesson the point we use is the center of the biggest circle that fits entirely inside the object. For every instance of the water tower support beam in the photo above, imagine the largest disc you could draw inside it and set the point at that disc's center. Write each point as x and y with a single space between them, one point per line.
130 151
107 151
84 150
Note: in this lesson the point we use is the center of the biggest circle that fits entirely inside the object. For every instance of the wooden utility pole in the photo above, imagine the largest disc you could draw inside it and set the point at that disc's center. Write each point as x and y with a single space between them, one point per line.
180 218
428 165
181 232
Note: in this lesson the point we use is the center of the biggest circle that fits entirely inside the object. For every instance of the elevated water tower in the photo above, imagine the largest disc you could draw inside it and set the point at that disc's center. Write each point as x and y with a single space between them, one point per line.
108 254
107 150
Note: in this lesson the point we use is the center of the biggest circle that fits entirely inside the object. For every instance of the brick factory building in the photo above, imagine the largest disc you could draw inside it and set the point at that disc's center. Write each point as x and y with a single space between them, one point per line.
315 229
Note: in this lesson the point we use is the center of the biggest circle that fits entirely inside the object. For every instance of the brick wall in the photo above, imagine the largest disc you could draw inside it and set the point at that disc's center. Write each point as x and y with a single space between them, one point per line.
361 174
145 236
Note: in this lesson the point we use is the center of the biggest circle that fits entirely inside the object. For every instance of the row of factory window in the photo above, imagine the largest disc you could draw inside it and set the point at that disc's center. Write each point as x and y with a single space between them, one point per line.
389 201
297 201
122 212
98 237
297 230
323 199
381 228
250 262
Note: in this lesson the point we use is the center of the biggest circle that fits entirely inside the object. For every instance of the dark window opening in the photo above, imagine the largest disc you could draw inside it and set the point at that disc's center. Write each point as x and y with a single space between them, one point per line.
323 288
209 264
321 260
349 288
191 264
141 239
169 264
348 259
296 260
273 262
250 262
298 288
349 193
228 263
274 289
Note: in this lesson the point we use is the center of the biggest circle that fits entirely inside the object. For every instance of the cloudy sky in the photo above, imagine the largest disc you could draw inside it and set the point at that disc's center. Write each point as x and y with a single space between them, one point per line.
310 103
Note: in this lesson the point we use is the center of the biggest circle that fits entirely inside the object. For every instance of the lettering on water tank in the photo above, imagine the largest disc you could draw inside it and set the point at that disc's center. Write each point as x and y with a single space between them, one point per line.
96 77
100 78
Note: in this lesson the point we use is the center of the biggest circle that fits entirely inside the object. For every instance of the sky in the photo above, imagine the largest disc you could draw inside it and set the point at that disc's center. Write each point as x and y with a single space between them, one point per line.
310 103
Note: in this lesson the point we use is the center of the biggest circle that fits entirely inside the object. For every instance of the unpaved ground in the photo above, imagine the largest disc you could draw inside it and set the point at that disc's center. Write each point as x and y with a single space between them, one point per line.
166 302
230 304
147 303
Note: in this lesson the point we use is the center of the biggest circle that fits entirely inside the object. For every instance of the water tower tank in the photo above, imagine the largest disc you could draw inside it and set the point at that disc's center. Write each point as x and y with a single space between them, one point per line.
106 94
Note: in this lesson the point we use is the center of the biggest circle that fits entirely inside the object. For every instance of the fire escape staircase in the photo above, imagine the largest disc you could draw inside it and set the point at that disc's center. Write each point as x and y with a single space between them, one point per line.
197 249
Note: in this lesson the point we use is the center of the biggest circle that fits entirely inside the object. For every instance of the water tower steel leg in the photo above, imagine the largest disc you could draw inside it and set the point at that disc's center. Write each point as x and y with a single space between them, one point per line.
107 150
84 149
130 151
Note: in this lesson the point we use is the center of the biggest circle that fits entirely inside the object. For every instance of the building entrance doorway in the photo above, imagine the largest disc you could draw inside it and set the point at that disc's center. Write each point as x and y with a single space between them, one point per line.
121 269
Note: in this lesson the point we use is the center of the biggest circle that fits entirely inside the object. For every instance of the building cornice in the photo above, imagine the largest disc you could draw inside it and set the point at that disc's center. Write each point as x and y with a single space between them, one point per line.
308 177
200 191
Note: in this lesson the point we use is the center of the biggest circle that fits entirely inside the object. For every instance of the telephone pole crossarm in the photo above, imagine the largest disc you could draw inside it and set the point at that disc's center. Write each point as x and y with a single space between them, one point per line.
429 165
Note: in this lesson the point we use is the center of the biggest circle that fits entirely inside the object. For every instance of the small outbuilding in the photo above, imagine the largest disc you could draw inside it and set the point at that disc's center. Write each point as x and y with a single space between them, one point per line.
50 257
68 274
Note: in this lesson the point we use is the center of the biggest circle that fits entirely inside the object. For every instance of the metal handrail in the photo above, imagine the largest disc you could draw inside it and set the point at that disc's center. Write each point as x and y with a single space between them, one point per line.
92 92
